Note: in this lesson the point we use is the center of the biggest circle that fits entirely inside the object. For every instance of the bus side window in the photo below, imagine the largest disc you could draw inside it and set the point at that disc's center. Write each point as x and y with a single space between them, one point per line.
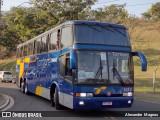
68 71
30 48
65 70
48 41
18 53
35 47
21 51
66 39
58 40
38 45
44 44
26 50
53 40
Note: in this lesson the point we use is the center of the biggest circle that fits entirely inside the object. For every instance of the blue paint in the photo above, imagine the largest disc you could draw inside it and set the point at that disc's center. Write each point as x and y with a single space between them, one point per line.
43 70
142 58
73 59
102 47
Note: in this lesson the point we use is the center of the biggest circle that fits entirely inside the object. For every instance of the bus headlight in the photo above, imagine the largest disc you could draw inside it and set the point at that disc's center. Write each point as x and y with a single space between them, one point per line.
84 94
128 94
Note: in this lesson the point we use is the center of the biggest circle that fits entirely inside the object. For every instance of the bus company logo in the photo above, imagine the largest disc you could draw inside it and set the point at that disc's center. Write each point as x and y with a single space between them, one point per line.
98 90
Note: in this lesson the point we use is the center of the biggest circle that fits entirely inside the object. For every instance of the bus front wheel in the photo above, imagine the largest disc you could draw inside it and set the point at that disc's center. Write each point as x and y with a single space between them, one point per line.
58 106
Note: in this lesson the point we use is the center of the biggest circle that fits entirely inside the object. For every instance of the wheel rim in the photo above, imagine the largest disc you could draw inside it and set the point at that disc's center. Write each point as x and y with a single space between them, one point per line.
25 88
22 86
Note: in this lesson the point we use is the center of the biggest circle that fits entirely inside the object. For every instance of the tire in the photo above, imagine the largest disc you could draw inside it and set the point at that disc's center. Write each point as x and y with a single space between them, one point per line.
53 99
22 87
58 106
26 89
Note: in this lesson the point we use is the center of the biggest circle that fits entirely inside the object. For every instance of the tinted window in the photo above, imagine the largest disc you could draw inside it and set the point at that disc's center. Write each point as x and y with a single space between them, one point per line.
35 47
7 73
21 51
44 44
30 48
18 52
66 39
39 45
53 40
25 50
65 70
101 35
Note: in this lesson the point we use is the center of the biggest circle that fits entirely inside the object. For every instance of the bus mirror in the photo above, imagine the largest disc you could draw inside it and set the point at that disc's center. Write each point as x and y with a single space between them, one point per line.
73 59
142 58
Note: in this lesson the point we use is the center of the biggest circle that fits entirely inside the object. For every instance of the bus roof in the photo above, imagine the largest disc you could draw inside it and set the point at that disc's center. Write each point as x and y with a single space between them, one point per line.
93 23
77 22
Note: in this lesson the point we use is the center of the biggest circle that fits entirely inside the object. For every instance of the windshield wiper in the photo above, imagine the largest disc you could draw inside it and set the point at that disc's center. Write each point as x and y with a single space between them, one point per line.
118 76
99 72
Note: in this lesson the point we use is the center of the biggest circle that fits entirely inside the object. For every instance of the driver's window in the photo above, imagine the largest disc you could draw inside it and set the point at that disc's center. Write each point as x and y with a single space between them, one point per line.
65 70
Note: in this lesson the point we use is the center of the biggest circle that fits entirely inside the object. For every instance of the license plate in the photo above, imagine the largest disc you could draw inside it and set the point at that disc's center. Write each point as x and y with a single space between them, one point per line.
107 103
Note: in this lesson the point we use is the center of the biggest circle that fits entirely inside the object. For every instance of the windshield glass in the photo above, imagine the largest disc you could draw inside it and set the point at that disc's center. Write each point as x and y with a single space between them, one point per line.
95 67
7 73
101 35
120 68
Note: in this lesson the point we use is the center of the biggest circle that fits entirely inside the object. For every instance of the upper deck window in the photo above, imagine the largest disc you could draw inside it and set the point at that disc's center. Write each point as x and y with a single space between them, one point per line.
66 39
101 35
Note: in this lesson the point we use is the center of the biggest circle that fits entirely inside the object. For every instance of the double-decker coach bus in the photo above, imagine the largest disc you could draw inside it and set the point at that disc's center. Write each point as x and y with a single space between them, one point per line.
79 65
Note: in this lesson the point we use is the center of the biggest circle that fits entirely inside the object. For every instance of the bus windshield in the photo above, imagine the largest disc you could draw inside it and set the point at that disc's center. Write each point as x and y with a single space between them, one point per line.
95 67
101 35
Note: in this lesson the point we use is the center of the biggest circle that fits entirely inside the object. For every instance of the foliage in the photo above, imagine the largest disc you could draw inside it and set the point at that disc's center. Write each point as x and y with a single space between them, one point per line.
21 23
59 11
113 13
153 12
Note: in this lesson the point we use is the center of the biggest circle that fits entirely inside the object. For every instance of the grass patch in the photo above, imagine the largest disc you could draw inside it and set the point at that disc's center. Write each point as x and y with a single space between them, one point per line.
148 96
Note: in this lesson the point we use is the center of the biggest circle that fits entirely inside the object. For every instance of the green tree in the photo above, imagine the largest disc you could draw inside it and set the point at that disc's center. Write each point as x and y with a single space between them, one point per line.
113 13
153 12
59 11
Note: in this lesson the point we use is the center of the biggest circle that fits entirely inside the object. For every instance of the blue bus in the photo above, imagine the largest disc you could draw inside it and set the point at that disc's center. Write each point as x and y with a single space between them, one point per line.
79 65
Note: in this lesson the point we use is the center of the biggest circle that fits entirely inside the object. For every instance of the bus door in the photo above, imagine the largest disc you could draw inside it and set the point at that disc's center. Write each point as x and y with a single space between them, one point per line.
65 81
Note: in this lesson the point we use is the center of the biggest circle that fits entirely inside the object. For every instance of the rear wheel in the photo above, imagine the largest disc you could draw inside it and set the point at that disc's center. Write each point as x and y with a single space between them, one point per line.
22 87
26 89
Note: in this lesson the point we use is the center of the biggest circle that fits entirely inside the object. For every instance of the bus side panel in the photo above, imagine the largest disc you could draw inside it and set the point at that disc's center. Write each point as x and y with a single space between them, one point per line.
66 93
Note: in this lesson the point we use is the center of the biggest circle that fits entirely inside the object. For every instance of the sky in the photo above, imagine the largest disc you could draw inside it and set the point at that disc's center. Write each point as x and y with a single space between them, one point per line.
134 7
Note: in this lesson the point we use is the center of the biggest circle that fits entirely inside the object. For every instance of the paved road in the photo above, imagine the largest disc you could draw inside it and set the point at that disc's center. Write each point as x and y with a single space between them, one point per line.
35 103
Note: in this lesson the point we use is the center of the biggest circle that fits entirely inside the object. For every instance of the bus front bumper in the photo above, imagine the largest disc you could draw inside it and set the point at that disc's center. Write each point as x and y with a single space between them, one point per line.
102 102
